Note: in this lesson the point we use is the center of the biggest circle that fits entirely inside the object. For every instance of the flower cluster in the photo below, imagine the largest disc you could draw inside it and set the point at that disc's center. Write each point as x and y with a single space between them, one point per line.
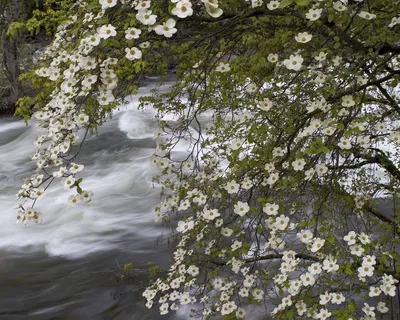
283 139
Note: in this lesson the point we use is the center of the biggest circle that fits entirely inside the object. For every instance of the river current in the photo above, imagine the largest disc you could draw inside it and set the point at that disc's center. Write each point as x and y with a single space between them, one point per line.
64 268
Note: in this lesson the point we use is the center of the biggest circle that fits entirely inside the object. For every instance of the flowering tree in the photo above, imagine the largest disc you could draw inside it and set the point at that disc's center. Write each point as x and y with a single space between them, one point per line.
290 111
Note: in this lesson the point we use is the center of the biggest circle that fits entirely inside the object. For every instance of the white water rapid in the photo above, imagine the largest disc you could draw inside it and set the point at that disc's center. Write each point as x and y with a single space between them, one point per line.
60 269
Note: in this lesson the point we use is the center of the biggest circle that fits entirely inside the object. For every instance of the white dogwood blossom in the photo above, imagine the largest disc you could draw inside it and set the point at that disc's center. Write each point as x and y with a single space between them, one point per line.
273 149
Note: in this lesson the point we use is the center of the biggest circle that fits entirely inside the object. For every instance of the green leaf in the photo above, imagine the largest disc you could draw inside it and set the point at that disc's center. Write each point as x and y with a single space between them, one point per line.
128 266
79 189
302 2
285 3
324 149
114 43
303 224
290 314
347 269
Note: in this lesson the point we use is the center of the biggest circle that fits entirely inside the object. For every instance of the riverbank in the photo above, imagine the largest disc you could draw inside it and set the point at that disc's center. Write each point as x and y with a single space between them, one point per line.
7 109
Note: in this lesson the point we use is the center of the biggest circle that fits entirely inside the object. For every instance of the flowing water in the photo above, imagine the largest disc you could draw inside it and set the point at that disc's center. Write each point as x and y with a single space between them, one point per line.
64 268
67 267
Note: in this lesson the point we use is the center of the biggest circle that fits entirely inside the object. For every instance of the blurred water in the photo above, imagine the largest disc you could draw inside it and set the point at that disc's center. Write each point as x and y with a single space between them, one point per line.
64 268
59 269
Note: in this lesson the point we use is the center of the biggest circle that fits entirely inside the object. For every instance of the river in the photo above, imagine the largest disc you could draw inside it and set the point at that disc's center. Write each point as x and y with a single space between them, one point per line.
64 268
60 269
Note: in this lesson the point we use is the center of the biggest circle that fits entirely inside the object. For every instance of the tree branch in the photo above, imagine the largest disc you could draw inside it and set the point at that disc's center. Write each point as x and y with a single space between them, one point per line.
380 216
381 159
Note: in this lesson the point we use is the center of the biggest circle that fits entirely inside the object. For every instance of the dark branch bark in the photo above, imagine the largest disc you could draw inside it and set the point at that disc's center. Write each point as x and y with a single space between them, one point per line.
279 256
381 159
351 166
271 257
390 99
380 216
